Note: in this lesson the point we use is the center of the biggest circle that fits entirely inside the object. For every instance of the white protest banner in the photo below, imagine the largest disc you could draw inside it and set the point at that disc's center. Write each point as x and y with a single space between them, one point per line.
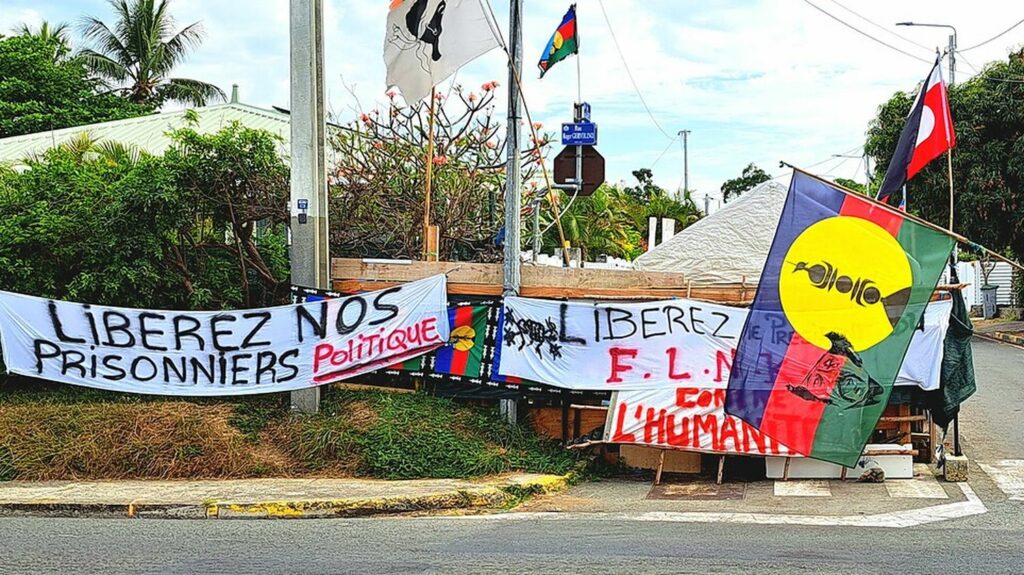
688 418
604 346
922 366
226 352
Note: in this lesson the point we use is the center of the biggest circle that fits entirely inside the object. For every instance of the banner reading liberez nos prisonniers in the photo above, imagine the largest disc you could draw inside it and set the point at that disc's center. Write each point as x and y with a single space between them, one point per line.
221 353
613 346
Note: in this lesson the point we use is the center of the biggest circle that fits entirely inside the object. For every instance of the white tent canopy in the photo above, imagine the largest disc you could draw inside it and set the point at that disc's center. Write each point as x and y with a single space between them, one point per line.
728 246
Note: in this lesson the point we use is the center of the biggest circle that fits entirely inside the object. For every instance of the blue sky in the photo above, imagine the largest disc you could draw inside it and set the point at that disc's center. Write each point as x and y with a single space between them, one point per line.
754 81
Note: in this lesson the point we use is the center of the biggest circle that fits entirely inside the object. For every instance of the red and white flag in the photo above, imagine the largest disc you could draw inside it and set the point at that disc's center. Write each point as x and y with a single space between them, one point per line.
927 134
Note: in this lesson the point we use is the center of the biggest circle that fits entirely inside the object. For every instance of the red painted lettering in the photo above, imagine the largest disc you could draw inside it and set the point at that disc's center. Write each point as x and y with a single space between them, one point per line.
682 397
723 365
672 366
617 435
654 428
618 366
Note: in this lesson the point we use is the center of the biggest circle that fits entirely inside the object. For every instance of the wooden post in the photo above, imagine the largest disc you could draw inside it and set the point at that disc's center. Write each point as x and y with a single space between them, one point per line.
785 470
721 468
661 466
426 186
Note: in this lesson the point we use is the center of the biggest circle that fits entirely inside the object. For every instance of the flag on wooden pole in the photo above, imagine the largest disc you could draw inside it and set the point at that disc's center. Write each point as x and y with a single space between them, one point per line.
426 41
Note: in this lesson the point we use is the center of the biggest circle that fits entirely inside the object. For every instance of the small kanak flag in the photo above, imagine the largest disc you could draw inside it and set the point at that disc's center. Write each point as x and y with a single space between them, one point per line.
563 43
927 134
426 41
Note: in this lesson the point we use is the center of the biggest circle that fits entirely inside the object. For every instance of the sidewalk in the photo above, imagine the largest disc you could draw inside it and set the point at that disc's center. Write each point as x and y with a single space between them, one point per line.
1011 332
266 498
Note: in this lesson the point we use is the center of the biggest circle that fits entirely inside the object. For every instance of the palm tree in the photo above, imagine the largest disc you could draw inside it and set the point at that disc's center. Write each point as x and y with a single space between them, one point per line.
140 52
59 35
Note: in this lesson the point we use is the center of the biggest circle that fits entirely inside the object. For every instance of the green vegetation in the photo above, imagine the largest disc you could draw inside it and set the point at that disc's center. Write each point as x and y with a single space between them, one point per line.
49 431
137 54
102 223
988 162
751 177
41 89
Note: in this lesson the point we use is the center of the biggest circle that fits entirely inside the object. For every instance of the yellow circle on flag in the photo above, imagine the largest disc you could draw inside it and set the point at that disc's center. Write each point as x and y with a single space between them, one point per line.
462 338
558 41
839 276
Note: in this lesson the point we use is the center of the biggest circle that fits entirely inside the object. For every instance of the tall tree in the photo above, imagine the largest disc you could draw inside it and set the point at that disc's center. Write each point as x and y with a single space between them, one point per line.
39 93
988 162
138 55
59 35
751 177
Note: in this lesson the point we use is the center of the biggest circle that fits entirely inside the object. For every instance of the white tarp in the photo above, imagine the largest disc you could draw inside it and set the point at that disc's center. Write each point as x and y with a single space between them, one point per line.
728 246
605 346
922 366
226 352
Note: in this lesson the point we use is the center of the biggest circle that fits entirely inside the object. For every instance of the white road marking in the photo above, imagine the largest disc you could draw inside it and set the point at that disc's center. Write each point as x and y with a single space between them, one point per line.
924 485
892 519
802 488
1008 475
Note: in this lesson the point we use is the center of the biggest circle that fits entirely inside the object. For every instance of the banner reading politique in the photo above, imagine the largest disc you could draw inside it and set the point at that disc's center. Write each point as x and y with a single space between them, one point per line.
223 352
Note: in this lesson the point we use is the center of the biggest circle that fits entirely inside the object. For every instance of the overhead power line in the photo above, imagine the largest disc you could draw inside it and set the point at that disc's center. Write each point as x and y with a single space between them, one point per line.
663 152
863 33
881 27
985 76
630 73
997 36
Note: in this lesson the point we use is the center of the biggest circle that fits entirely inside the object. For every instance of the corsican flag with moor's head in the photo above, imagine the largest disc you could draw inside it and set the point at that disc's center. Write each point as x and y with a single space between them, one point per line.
845 284
426 41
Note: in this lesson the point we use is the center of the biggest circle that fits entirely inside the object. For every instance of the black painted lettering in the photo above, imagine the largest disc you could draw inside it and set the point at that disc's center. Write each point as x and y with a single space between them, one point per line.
120 326
563 335
53 352
341 324
217 333
644 323
694 322
145 332
208 370
112 363
675 315
179 369
262 317
58 327
725 320
294 371
139 372
319 326
237 370
190 331
265 361
624 318
390 308
73 360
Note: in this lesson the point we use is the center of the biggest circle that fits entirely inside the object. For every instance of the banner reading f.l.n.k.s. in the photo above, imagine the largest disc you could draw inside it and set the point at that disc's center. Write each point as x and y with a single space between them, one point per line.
225 352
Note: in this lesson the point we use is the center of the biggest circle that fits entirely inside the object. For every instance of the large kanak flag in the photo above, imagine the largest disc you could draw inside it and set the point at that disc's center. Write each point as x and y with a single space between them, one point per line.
843 290
927 134
428 40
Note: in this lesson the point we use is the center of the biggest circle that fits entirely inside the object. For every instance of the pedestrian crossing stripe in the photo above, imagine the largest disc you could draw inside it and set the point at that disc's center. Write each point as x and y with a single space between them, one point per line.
1008 475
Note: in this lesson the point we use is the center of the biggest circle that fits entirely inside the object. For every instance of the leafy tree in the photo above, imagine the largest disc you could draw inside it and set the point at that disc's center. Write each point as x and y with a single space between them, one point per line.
39 92
751 177
645 188
377 191
99 222
140 52
988 162
852 184
58 35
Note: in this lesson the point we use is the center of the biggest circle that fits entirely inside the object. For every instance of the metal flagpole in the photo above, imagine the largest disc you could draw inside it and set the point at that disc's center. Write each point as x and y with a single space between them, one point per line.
428 255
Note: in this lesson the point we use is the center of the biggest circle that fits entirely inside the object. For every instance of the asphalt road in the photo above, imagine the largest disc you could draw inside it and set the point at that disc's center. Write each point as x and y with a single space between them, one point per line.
572 543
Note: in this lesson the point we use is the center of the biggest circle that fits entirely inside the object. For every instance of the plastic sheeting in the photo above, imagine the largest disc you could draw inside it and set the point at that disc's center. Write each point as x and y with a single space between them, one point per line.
728 246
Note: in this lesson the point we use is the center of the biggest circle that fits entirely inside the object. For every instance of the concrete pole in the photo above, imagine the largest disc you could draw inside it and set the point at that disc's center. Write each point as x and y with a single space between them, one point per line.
513 180
686 160
310 261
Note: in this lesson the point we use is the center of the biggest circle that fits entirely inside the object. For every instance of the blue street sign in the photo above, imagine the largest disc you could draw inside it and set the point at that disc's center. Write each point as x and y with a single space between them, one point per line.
579 134
585 111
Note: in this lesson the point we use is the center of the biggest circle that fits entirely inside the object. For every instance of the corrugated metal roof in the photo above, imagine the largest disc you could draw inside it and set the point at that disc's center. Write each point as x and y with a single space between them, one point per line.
149 133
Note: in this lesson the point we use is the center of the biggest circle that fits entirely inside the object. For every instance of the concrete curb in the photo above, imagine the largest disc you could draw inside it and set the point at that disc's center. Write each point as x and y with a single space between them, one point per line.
485 497
1003 337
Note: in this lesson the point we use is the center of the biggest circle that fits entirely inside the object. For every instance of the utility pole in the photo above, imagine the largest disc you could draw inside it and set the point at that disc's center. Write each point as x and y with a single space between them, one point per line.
310 260
952 45
513 175
686 161
707 203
